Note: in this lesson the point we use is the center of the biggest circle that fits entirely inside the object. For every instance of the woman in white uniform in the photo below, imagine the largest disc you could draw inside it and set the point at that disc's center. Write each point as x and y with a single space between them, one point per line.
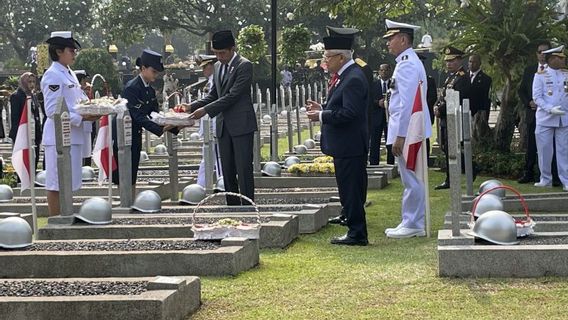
59 81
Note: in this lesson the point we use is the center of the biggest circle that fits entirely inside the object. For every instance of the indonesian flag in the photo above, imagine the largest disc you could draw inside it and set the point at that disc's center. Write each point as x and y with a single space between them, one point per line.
415 136
101 150
21 152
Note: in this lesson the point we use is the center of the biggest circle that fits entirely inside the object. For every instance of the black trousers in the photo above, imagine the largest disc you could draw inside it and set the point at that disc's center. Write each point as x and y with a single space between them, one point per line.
236 161
531 155
351 177
374 143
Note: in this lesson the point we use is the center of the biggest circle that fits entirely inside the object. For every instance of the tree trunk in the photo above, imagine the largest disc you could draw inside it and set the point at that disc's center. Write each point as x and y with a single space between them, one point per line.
503 133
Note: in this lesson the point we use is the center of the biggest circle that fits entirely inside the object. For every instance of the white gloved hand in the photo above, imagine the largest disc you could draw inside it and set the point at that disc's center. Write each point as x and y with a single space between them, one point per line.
557 111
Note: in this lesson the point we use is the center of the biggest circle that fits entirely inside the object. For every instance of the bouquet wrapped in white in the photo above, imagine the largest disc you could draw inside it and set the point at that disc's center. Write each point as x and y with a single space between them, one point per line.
101 106
172 118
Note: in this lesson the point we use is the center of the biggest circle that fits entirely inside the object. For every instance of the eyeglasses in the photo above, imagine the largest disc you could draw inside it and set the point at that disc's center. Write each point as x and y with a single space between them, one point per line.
328 57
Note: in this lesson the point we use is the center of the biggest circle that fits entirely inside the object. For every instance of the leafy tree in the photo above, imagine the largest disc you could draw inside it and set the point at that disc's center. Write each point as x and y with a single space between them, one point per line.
295 41
25 23
251 43
99 61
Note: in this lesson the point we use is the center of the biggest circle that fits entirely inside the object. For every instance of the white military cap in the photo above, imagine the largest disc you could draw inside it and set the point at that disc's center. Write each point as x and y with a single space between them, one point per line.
394 27
558 51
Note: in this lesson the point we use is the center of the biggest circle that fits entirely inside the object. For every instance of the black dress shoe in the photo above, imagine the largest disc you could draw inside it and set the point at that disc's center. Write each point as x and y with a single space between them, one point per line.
347 241
443 185
338 220
556 183
525 179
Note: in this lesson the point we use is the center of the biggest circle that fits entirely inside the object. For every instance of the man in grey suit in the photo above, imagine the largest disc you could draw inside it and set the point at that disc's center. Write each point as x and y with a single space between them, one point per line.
230 102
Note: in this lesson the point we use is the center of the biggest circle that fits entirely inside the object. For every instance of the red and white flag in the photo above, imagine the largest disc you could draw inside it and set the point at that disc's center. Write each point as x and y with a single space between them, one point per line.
21 152
416 131
101 150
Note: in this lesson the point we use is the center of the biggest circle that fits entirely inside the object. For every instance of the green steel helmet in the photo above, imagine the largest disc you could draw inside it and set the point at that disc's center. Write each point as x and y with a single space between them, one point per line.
300 149
6 193
148 201
490 184
497 227
160 150
144 156
40 178
272 169
15 233
310 143
95 211
290 161
193 194
487 203
87 174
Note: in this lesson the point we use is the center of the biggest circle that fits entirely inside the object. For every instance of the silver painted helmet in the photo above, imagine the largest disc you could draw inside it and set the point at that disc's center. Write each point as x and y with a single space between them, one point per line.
95 211
193 194
497 227
6 193
300 149
490 184
303 109
272 169
290 161
15 233
219 185
317 136
87 174
266 119
310 143
40 178
160 150
144 156
487 203
284 113
194 136
148 201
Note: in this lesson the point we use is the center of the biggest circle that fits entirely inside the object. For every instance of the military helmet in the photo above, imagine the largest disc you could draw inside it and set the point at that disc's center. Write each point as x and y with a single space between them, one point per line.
490 184
87 173
266 119
194 136
272 169
487 203
219 185
290 161
310 143
497 227
317 136
144 156
95 211
6 193
193 194
40 178
300 149
15 233
148 201
160 150
284 113
303 109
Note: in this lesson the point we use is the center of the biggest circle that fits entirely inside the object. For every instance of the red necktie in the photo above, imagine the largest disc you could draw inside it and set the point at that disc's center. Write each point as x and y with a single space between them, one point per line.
332 81
541 68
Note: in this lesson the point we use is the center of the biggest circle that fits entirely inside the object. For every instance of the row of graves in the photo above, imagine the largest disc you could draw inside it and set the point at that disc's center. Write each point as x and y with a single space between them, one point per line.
110 255
499 232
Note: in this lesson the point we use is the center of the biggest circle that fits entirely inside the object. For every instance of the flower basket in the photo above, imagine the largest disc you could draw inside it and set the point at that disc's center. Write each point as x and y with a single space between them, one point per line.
225 227
101 106
172 118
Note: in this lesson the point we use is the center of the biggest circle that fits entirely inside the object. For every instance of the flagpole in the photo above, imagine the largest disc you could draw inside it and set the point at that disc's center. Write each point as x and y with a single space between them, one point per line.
425 168
110 150
31 157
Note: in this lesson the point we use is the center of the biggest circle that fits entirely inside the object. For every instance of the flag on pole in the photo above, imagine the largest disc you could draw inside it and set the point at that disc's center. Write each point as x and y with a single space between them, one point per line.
415 136
101 150
21 152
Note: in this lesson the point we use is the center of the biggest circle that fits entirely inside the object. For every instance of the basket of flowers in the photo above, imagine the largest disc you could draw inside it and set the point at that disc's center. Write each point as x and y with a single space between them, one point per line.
172 118
101 106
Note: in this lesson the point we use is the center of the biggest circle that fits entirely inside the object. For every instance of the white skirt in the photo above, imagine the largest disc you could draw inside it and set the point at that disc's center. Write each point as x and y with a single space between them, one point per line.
51 174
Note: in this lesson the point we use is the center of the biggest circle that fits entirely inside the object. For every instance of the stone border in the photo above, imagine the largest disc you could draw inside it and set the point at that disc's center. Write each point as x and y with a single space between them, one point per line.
166 298
374 182
279 232
541 226
234 256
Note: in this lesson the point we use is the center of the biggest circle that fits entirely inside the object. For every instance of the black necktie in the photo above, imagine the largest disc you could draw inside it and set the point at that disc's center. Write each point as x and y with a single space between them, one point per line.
225 68
384 87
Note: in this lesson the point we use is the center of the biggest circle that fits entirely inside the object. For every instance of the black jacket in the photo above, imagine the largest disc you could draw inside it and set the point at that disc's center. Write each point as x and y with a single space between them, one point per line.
479 93
17 102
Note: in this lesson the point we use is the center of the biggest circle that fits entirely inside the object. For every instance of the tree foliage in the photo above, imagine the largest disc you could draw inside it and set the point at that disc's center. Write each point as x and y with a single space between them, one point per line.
251 43
295 41
25 23
99 61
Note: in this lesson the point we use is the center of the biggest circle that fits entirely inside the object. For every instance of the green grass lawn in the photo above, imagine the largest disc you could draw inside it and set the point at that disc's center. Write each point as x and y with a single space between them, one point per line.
397 279
283 143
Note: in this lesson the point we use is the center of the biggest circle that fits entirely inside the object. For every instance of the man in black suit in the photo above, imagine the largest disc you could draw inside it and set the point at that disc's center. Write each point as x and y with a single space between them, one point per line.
479 101
230 102
378 119
525 94
344 134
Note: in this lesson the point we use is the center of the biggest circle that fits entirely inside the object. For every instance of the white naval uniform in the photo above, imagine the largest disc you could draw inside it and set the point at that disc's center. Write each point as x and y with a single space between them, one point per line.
216 155
59 81
408 74
550 89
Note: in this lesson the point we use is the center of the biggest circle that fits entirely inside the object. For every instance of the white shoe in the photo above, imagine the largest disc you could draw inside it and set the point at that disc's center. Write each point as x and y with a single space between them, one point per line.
543 185
387 230
565 188
406 233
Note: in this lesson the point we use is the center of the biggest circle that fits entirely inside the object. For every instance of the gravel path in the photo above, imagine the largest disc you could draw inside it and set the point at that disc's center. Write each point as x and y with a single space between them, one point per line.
62 288
124 245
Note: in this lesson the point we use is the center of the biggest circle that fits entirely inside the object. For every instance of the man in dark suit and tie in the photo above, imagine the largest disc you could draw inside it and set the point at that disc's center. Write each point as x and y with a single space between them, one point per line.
479 101
344 134
230 102
378 121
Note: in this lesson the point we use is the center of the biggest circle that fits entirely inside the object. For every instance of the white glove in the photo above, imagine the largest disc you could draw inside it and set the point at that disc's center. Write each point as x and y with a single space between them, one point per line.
557 111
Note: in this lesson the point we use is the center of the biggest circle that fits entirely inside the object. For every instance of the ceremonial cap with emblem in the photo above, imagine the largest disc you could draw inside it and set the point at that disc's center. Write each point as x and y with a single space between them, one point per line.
452 52
223 40
151 59
558 51
394 27
338 43
63 38
206 59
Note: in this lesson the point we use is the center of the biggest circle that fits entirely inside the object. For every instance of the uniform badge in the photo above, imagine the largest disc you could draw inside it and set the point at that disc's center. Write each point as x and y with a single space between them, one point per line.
71 86
565 85
404 58
549 92
53 87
